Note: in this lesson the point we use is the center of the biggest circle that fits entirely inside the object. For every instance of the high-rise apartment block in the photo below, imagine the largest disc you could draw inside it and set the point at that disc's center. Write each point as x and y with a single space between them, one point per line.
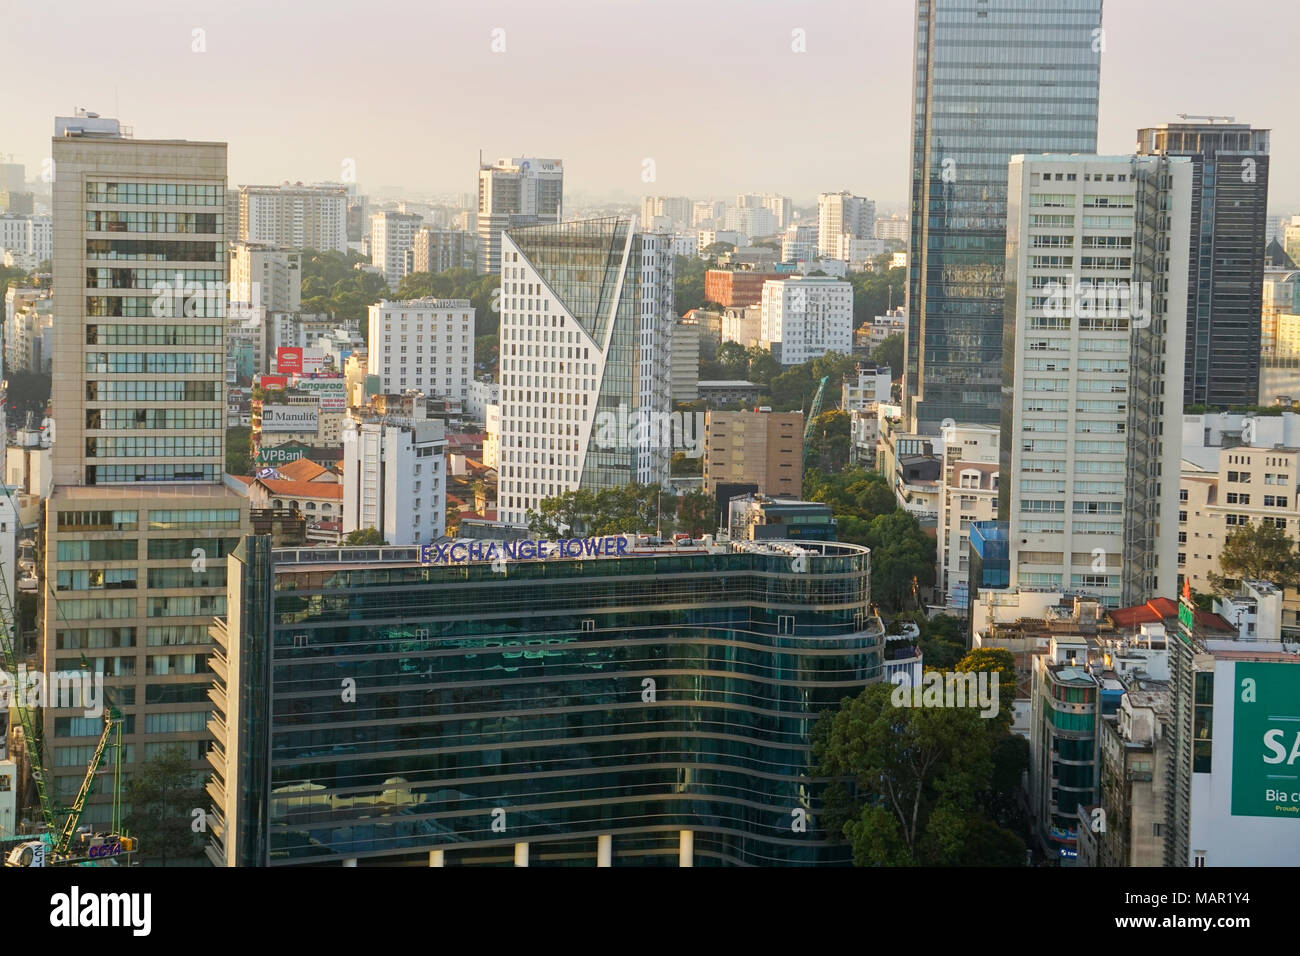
392 235
586 326
1093 354
806 317
511 193
843 214
297 216
424 344
140 521
1225 275
265 276
394 477
437 250
992 78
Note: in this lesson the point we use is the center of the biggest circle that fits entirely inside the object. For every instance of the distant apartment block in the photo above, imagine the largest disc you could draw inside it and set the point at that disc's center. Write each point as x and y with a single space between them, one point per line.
734 288
265 276
437 250
297 216
804 318
424 344
843 215
392 235
511 193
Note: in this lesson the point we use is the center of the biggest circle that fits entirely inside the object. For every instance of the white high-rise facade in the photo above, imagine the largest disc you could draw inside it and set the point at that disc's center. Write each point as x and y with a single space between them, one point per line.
843 214
297 216
394 478
586 326
265 276
25 241
515 192
425 344
805 317
391 235
1097 251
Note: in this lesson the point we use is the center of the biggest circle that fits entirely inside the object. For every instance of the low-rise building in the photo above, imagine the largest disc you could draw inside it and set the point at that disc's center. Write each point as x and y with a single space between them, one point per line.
764 449
759 517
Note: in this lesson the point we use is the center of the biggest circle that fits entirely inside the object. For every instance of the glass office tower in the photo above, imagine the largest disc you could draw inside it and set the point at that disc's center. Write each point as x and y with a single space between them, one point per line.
992 78
648 708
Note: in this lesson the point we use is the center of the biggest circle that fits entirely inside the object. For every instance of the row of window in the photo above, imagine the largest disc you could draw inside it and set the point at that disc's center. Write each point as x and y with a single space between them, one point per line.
155 194
154 446
153 391
154 335
100 638
104 220
118 418
155 250
127 474
153 363
191 305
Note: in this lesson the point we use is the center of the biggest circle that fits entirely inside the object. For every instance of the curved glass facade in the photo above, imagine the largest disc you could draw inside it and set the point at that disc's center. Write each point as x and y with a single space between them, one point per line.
420 708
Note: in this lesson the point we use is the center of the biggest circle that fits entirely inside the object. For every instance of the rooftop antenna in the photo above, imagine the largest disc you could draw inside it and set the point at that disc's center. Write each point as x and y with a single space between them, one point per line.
1193 116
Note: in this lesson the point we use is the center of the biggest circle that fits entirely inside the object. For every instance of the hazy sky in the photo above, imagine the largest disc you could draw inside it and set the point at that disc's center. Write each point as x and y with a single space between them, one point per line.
710 90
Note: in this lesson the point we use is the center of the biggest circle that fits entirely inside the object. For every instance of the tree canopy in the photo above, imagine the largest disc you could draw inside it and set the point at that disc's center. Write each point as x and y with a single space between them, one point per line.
1258 552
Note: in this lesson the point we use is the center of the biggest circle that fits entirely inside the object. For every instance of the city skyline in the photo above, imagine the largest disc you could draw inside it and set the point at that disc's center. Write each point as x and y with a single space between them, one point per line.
242 90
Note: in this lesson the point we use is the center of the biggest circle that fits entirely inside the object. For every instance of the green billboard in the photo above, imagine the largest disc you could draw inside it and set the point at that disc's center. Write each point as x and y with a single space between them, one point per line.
281 454
1266 740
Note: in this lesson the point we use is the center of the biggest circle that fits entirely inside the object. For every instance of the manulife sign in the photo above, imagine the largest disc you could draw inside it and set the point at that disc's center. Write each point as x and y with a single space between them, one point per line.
1266 740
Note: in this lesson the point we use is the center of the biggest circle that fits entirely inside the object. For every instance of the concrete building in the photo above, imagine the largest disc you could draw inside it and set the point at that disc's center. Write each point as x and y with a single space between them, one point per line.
264 276
392 236
869 386
1134 754
426 344
1047 102
25 241
758 517
842 215
719 393
585 360
685 361
750 222
394 478
1248 485
705 238
140 520
804 318
969 493
743 325
1094 339
1226 257
437 250
799 243
894 228
511 193
1231 739
479 396
294 216
676 209
764 449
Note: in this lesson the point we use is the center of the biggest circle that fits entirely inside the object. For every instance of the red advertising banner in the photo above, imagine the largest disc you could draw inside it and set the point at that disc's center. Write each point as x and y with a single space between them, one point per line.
288 360
274 381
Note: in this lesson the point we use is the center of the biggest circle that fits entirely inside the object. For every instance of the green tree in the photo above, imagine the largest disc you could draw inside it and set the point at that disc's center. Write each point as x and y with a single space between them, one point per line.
239 459
917 774
995 660
1257 552
734 360
763 366
695 513
364 536
943 641
715 249
683 466
830 440
162 794
873 292
902 559
486 348
630 509
890 352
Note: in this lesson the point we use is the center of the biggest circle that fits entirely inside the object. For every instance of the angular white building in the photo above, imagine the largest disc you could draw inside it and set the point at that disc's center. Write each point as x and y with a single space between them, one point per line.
586 325
806 317
1096 301
425 344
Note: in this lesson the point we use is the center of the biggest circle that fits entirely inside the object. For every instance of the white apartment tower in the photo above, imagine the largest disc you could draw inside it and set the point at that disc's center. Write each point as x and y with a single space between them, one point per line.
394 478
265 276
511 193
425 344
586 326
391 235
805 317
843 214
1097 251
140 521
297 216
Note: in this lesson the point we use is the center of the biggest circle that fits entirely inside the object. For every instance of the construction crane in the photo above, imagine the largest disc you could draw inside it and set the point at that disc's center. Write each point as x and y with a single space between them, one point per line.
818 401
54 847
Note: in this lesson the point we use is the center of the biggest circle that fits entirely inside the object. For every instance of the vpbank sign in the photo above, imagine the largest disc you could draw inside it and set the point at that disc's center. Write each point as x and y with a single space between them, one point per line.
1266 740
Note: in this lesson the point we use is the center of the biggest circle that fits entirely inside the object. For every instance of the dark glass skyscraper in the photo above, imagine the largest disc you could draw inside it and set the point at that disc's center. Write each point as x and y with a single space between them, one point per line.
598 704
1225 278
992 78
